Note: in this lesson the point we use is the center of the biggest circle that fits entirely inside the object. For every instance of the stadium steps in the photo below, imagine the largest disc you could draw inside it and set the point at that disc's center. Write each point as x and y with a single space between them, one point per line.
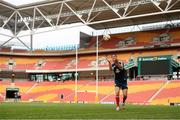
49 88
163 86
23 86
111 93
169 94
85 92
31 88
138 91
53 93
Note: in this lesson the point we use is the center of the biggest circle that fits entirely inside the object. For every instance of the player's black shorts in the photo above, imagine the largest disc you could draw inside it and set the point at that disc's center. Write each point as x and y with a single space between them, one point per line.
121 84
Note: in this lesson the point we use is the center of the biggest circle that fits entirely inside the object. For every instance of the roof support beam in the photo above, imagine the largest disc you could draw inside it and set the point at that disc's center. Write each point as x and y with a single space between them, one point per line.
39 25
64 21
126 8
115 19
59 14
15 25
34 15
6 42
173 4
135 16
20 29
75 13
91 11
86 11
89 14
23 20
168 3
8 20
23 43
113 9
44 17
157 5
131 11
7 6
95 16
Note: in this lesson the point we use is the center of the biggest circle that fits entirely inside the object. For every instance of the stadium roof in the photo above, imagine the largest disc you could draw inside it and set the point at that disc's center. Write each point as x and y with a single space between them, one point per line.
98 14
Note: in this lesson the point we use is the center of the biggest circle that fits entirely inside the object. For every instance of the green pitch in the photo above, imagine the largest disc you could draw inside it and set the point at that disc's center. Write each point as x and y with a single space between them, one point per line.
85 111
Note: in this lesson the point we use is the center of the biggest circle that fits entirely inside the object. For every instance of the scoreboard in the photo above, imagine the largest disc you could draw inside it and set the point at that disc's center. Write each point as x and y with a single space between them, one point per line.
156 65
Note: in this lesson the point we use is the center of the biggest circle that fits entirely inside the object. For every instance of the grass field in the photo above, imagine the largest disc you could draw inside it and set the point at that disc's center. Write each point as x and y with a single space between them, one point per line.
85 111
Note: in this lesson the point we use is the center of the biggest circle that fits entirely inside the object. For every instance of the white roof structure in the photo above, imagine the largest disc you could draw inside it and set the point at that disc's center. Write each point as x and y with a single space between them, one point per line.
98 14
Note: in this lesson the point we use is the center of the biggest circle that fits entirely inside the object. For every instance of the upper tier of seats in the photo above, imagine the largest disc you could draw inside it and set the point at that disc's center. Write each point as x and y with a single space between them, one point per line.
144 38
84 62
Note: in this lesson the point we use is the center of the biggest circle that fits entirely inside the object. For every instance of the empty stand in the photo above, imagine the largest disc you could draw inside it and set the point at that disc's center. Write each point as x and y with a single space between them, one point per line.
138 91
170 94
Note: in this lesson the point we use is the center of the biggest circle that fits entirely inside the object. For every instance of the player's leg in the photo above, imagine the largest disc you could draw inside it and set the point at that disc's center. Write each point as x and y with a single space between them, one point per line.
124 92
117 90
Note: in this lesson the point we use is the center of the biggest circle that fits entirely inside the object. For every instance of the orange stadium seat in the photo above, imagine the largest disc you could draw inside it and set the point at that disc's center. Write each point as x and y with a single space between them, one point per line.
170 94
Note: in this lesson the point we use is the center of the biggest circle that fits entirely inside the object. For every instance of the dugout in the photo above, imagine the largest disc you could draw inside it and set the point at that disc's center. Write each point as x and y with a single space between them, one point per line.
12 93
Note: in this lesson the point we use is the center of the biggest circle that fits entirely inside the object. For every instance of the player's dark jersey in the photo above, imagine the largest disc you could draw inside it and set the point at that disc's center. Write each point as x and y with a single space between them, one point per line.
120 76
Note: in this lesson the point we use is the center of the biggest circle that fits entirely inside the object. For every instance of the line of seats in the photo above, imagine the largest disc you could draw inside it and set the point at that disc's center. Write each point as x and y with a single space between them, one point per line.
69 63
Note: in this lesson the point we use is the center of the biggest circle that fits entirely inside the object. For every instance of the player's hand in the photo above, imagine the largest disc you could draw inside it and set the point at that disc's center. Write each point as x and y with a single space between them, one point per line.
116 61
107 58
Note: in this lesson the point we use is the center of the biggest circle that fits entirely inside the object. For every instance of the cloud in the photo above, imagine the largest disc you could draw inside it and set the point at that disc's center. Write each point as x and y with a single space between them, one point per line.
22 2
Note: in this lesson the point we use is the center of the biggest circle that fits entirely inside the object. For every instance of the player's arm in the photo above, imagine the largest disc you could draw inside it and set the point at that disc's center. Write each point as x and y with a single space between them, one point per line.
110 66
118 64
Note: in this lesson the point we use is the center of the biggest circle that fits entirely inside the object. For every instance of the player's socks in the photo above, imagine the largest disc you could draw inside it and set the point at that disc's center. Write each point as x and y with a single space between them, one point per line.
123 104
124 99
117 100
